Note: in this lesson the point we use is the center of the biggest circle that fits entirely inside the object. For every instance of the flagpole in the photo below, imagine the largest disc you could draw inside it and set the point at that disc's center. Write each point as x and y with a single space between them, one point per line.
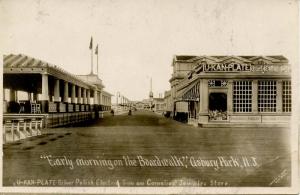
92 60
97 60
91 48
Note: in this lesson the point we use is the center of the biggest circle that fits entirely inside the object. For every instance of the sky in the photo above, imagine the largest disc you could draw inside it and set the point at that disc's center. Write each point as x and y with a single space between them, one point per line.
139 38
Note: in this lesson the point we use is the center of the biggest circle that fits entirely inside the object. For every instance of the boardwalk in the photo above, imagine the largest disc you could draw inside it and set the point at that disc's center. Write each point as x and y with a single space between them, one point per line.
148 136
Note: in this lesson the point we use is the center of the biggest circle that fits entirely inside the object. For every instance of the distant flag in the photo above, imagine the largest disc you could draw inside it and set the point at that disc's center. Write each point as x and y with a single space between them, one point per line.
96 51
91 43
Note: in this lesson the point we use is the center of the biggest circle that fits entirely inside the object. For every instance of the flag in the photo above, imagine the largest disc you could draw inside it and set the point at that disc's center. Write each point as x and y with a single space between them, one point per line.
91 43
96 51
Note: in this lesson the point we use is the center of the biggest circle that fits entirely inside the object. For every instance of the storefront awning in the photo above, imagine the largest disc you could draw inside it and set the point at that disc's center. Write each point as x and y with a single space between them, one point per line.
190 93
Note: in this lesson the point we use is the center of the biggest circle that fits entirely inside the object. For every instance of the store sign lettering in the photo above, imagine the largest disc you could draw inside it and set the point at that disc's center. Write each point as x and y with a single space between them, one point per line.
233 67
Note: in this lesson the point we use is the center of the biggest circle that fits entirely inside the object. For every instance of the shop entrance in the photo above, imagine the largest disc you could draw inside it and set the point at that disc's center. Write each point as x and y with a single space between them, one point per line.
218 101
218 106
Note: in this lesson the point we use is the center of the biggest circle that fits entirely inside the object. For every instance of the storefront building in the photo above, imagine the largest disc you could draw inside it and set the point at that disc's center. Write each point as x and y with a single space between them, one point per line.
247 90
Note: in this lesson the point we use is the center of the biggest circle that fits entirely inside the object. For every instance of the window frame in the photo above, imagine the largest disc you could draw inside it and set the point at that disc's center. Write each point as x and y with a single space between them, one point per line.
242 92
287 97
267 101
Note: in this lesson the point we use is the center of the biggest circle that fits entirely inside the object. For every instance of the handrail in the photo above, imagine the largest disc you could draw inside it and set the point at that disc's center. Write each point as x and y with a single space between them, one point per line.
9 116
21 126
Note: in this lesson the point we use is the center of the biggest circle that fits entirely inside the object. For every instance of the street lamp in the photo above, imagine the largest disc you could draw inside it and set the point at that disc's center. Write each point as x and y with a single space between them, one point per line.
117 101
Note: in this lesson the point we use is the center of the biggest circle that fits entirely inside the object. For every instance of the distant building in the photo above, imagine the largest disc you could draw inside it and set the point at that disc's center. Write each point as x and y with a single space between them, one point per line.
139 105
167 103
102 97
159 105
151 96
147 104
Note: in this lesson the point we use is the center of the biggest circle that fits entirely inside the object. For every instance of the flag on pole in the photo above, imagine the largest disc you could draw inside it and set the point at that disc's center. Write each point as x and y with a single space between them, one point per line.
91 43
96 51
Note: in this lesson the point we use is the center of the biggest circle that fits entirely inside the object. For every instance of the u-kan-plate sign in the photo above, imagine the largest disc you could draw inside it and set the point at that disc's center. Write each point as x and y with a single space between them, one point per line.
219 67
236 67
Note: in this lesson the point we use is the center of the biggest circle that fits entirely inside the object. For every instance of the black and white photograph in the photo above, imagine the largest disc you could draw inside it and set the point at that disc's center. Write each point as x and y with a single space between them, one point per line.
149 96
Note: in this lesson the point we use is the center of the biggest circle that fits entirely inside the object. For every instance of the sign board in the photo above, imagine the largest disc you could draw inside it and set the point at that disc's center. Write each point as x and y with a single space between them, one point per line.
237 67
219 67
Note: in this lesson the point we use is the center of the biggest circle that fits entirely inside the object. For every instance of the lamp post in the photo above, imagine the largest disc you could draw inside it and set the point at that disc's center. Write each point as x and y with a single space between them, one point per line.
122 101
117 102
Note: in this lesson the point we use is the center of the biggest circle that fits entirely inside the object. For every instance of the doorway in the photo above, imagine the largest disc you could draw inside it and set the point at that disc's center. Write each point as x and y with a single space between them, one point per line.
218 102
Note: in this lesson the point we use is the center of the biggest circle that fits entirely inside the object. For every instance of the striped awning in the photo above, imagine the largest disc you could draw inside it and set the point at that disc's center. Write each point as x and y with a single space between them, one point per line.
190 93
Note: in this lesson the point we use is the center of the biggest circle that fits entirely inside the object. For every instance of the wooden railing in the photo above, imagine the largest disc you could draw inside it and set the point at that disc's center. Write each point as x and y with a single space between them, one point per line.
21 126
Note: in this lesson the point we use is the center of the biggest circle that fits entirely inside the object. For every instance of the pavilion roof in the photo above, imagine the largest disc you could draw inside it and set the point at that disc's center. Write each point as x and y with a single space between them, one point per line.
23 64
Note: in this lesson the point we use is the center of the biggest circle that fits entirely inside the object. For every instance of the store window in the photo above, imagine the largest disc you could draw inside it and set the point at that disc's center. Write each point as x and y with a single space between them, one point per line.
242 96
267 96
286 96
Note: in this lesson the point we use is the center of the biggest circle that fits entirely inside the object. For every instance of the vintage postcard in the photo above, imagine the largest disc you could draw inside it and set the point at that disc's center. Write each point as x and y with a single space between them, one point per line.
149 96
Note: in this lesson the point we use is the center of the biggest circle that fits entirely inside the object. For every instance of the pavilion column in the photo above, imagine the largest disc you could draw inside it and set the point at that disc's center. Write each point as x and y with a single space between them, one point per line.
88 96
34 96
12 95
254 96
95 97
279 96
56 90
4 101
66 92
45 94
73 94
12 101
29 96
230 97
45 91
79 99
84 96
100 98
17 96
203 106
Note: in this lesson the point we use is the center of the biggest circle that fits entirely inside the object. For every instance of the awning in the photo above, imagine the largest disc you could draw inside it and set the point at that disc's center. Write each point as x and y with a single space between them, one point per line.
190 93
